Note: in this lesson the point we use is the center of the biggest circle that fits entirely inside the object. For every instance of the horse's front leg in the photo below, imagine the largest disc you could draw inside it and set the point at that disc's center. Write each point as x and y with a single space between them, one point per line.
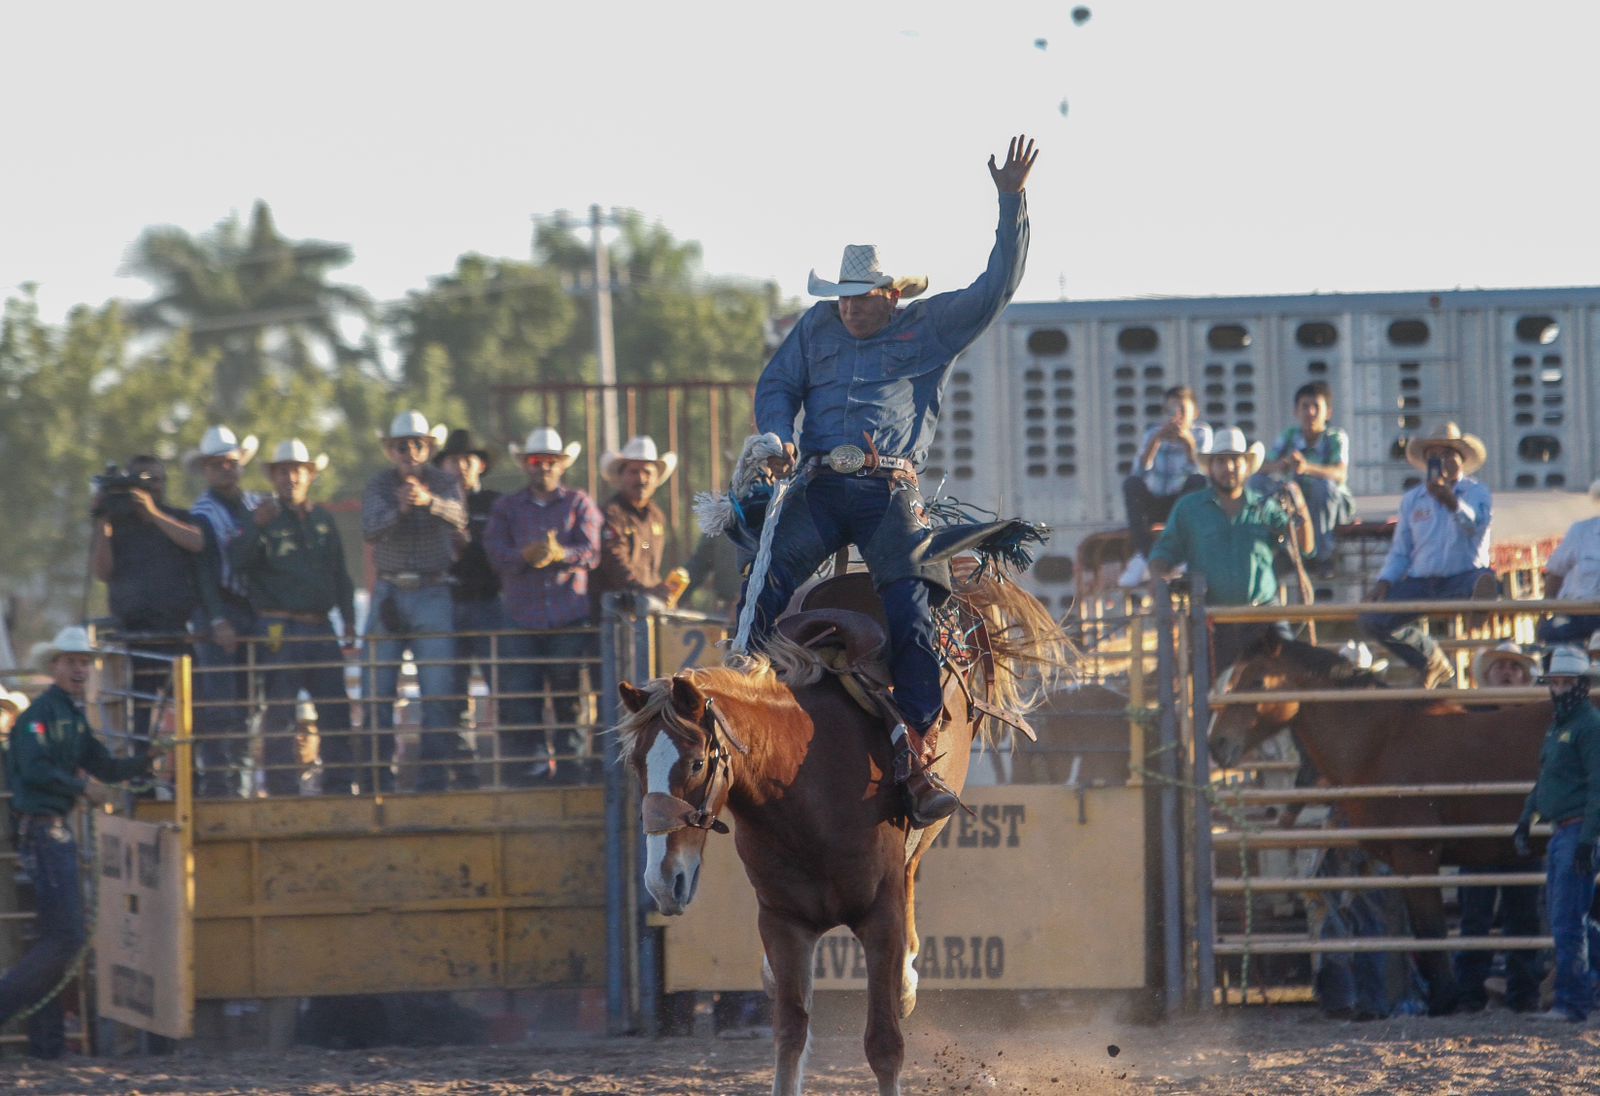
883 937
920 841
791 952
1425 908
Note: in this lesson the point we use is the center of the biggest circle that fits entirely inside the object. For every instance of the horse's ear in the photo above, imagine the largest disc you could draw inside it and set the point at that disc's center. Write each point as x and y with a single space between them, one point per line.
632 699
687 698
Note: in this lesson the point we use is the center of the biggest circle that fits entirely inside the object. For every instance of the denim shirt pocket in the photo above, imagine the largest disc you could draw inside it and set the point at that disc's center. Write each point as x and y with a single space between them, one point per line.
824 367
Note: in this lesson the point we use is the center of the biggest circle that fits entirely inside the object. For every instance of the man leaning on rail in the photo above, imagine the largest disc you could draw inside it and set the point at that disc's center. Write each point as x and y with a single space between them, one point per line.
54 760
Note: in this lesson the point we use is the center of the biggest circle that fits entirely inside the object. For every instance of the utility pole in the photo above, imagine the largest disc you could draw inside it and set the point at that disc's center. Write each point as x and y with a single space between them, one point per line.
604 340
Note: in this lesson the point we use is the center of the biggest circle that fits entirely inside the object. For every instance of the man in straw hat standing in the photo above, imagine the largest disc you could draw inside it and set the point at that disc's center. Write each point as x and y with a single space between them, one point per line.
870 377
222 684
413 516
292 561
476 593
1567 795
53 761
1231 534
1440 550
543 540
633 541
1573 574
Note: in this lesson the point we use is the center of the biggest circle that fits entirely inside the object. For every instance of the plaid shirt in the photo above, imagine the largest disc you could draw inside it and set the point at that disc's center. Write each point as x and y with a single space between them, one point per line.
1331 449
556 596
421 540
1172 466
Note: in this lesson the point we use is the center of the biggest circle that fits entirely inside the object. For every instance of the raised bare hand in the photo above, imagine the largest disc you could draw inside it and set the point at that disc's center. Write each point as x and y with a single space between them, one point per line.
1012 176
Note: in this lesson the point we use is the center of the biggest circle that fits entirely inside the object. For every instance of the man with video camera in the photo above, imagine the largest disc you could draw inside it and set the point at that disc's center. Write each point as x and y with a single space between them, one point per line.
148 555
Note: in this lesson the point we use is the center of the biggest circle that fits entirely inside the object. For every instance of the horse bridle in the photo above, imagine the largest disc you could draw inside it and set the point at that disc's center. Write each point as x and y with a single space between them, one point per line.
662 814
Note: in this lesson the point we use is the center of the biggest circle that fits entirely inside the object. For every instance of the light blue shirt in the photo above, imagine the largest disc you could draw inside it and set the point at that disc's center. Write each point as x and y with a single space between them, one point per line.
1431 541
888 387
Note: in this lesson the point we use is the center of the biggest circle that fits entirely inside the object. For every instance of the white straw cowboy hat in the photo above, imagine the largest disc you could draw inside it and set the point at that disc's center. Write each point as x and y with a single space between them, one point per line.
642 448
1568 661
1229 442
545 441
413 424
1447 435
1505 652
219 441
294 451
861 271
71 640
17 702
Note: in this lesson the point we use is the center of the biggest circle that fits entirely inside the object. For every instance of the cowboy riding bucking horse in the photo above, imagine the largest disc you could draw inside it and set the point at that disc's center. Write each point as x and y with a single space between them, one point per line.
870 376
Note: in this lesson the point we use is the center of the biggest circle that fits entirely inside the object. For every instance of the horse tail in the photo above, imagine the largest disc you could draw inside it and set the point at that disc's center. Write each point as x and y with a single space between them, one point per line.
1029 654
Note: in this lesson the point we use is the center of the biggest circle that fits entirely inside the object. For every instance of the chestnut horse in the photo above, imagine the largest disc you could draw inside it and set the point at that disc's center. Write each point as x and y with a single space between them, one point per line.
808 775
1393 742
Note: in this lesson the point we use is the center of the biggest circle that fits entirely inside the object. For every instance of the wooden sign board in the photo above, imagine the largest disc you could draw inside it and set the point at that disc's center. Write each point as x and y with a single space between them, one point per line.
1029 894
144 929
684 644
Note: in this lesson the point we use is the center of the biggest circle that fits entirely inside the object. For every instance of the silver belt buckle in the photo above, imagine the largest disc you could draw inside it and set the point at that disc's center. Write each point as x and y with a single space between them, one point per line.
846 459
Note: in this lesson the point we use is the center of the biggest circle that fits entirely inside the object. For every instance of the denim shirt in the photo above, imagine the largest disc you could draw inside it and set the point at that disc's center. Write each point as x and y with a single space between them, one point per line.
887 387
1431 541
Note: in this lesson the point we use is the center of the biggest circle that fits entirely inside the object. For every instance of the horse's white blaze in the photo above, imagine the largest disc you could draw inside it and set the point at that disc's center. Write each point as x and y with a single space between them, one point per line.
657 770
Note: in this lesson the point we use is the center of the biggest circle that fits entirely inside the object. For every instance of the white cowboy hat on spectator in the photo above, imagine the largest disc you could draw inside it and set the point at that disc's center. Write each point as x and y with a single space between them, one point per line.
219 441
1505 652
545 441
1359 655
294 451
1229 442
861 271
1568 661
413 424
1447 435
642 448
71 640
17 702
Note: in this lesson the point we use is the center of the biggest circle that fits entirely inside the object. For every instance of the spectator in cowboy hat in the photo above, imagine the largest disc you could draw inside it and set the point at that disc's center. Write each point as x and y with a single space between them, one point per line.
1231 534
12 704
543 540
1440 550
1515 909
1565 796
292 560
222 683
413 515
1573 574
633 541
477 587
54 760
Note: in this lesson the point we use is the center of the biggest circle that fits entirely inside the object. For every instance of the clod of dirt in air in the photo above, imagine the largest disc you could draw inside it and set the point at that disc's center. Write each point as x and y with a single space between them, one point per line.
1041 43
1113 1050
1080 15
1063 108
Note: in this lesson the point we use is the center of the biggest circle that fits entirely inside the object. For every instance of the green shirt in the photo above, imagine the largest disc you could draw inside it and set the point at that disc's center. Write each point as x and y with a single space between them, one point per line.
295 564
50 743
1569 774
1234 554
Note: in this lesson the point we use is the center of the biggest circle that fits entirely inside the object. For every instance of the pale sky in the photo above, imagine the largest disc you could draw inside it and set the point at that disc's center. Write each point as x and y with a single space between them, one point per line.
1210 148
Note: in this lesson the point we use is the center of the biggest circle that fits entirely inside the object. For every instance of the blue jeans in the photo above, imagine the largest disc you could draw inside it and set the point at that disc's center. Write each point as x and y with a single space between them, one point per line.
474 615
848 510
1567 896
424 618
292 645
1519 915
540 660
49 854
1399 631
1330 505
222 686
1567 629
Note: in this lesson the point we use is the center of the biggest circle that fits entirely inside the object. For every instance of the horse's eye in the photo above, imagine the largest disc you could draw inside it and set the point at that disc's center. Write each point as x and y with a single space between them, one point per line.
697 766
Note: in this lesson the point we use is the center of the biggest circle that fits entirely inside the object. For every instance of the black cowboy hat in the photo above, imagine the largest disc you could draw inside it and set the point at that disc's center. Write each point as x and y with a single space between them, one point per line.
459 443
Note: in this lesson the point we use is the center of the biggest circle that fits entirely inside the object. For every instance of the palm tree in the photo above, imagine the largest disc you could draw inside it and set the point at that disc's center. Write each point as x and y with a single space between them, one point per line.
262 303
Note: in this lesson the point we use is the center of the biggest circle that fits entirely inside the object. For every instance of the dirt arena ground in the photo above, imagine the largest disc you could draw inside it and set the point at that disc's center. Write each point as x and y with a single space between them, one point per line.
1281 1050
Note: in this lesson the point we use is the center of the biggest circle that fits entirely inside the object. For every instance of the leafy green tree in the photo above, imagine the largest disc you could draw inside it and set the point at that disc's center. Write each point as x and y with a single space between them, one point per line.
260 302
